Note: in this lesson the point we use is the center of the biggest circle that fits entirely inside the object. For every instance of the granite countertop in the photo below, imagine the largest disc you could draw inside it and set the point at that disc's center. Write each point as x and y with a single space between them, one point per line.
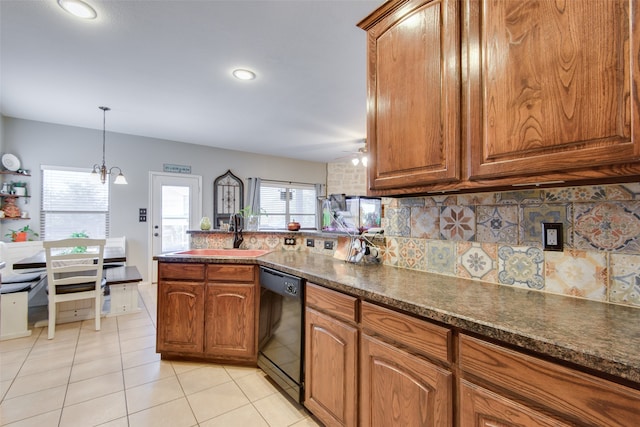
599 336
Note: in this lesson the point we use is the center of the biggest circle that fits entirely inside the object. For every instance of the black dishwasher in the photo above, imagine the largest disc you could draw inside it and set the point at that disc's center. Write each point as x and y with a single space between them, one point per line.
281 330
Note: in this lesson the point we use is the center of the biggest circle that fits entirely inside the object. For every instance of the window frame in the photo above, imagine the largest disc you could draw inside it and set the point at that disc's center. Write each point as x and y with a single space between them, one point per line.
288 216
43 200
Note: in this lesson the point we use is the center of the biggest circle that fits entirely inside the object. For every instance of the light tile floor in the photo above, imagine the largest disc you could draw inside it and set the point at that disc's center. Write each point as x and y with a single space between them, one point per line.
114 378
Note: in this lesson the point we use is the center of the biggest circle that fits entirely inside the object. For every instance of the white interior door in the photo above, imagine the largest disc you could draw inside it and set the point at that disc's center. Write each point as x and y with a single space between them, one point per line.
176 206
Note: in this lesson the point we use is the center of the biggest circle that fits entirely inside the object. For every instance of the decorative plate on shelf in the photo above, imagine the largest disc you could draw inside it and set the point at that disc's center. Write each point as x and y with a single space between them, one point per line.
10 162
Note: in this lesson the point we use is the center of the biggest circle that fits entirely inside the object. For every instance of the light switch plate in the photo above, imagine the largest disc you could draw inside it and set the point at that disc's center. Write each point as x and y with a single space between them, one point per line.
552 236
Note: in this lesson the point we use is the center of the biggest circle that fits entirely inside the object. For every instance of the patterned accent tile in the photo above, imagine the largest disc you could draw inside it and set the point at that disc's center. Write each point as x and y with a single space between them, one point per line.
521 266
475 199
441 257
625 279
409 202
444 200
622 191
519 197
497 224
425 222
532 217
391 252
575 194
477 261
577 273
199 241
398 222
633 188
610 226
391 202
412 254
457 222
271 241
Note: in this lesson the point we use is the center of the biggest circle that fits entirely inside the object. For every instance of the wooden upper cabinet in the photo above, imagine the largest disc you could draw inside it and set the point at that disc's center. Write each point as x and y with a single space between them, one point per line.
551 87
413 133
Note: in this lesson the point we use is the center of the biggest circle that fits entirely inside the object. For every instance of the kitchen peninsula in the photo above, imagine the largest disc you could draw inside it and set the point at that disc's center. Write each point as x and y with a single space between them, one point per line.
526 349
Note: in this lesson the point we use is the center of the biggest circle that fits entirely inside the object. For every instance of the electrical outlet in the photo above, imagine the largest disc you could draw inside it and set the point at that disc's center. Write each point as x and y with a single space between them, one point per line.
290 241
328 244
552 236
310 243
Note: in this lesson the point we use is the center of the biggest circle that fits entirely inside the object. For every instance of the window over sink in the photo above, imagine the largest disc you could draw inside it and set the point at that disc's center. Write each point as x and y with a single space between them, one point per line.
281 203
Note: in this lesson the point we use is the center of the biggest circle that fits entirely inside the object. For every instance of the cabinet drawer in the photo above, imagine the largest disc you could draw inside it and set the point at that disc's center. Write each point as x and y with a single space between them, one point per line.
429 339
575 394
181 271
334 303
231 273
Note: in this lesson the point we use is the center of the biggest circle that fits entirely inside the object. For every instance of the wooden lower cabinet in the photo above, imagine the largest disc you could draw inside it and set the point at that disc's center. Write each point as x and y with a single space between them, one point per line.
208 311
569 394
407 368
230 320
400 389
180 317
483 408
331 369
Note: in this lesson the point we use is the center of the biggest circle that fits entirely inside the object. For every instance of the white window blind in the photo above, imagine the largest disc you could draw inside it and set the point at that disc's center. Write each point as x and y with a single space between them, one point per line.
286 202
73 201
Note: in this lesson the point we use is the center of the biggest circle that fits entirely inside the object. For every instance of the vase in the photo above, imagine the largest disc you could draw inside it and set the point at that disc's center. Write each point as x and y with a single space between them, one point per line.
205 223
253 222
20 236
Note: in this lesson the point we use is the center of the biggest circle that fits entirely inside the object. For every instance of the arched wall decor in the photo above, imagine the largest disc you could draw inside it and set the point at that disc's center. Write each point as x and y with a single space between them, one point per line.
228 198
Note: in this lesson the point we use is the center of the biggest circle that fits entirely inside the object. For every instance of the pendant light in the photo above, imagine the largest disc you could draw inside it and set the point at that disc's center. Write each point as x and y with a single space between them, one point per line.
101 171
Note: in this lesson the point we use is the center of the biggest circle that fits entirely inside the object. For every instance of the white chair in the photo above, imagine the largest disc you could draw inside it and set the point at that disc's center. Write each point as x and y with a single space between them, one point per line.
74 276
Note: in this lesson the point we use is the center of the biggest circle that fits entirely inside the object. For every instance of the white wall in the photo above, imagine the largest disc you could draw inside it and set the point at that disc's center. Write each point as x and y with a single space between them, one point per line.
1 135
38 143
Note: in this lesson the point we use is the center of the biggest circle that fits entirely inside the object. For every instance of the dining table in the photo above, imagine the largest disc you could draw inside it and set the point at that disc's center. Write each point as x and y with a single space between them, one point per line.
112 255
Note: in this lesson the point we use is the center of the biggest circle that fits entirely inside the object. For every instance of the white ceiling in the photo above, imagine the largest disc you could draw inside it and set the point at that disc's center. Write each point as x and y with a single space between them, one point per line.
164 68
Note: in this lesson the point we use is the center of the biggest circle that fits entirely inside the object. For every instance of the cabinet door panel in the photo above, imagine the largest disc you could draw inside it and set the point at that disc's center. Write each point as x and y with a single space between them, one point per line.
413 119
552 89
331 369
482 408
181 308
230 320
590 399
400 389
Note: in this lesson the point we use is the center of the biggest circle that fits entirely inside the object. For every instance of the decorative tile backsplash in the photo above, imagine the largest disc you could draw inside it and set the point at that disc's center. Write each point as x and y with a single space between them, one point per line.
497 237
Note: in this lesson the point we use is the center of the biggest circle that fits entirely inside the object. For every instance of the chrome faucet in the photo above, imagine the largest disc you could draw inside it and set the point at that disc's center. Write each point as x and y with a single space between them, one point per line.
237 231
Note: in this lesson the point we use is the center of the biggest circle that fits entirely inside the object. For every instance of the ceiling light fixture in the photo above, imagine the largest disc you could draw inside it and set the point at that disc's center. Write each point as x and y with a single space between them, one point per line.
242 74
78 8
363 156
101 171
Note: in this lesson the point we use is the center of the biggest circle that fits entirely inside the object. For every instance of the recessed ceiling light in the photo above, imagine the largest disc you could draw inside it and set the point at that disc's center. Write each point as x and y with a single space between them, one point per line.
78 8
243 74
